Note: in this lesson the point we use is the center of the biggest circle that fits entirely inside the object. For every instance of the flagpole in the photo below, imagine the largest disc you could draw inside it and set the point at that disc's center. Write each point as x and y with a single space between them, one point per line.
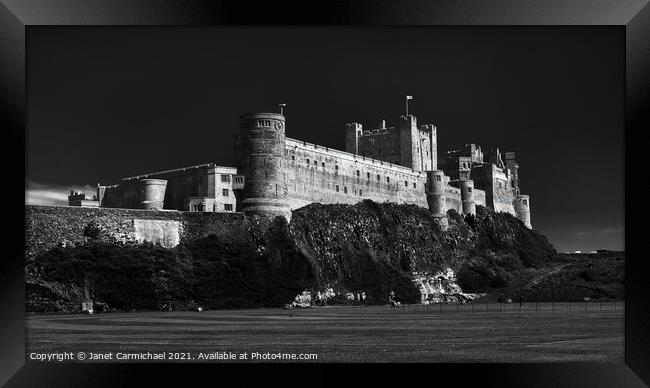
407 105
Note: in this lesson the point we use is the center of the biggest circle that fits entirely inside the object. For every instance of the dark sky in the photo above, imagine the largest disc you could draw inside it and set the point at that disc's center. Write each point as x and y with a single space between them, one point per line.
106 103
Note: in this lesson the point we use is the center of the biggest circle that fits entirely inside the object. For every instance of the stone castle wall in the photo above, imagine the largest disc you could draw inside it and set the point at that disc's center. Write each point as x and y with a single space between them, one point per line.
320 174
314 172
502 200
48 226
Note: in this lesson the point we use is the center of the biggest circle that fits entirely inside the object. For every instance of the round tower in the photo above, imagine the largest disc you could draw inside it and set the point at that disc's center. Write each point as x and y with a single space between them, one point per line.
262 161
522 208
435 193
467 196
152 193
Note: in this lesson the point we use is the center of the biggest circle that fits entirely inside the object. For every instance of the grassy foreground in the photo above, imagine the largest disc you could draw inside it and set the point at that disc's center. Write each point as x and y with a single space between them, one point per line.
349 334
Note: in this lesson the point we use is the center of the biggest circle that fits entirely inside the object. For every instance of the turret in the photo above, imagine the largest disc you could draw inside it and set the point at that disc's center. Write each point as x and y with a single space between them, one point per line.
152 193
522 208
261 158
467 195
435 193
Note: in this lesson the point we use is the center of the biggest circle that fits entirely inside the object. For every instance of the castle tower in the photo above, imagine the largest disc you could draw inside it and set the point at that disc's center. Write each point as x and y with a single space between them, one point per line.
261 158
435 193
152 193
429 147
409 143
522 208
352 133
467 195
511 164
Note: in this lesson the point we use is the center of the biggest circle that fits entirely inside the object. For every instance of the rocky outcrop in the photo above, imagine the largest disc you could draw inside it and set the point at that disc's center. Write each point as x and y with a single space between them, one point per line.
441 287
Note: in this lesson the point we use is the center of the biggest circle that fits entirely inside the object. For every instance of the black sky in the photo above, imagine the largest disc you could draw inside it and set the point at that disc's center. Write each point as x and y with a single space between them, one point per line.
104 103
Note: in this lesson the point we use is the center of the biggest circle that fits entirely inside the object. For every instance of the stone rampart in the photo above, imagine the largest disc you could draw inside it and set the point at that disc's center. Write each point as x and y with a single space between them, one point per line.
320 174
49 226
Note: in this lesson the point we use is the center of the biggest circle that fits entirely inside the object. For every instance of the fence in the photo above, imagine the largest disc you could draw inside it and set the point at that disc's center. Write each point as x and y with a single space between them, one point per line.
505 308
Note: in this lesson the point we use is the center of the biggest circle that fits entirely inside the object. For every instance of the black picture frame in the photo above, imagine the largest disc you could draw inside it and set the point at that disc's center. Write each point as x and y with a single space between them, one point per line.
18 15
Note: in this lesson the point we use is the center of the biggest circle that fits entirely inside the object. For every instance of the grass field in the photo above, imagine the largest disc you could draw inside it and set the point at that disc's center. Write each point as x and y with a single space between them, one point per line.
489 333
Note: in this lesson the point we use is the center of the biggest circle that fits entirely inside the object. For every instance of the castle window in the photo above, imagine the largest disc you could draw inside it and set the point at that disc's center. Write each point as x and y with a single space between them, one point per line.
307 162
336 167
378 179
469 189
414 185
358 172
372 142
368 175
224 192
406 183
293 157
360 192
227 207
345 189
322 164
525 202
438 178
337 188
315 163
225 178
387 179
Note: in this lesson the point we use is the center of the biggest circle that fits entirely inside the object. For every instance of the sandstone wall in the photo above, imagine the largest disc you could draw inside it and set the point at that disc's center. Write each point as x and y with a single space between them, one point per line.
503 200
452 195
49 226
479 197
382 144
314 172
320 174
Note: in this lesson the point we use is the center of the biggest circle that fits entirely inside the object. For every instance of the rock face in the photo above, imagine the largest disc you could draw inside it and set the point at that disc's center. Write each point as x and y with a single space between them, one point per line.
373 248
441 287
342 254
378 248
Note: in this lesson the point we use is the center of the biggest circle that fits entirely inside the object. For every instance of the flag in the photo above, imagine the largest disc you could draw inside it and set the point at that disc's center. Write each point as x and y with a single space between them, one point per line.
409 97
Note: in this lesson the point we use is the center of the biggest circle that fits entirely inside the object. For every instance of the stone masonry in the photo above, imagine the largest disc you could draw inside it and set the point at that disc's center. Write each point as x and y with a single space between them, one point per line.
275 174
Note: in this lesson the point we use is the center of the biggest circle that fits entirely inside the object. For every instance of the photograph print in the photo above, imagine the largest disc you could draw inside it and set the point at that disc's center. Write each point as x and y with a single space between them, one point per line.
318 194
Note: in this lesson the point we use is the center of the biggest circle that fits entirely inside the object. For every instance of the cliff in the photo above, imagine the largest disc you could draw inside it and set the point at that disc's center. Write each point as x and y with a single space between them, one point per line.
337 253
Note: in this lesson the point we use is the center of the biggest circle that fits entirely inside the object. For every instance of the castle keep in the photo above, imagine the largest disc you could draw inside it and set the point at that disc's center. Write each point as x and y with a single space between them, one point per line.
276 174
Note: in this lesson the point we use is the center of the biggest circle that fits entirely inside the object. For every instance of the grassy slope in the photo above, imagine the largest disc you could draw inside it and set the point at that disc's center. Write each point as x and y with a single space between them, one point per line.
598 276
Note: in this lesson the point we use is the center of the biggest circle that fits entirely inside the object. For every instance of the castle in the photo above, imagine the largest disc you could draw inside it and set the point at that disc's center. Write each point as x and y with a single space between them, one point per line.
275 174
